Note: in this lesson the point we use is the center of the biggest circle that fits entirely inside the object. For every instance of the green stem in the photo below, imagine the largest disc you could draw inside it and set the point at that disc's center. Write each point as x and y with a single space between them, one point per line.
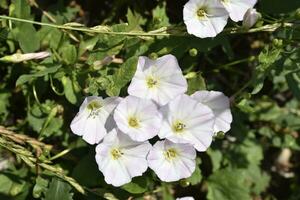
241 90
154 33
251 58
88 30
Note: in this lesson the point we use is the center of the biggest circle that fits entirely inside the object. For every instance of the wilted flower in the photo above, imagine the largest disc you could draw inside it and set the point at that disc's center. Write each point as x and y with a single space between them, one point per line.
160 80
120 159
219 103
204 18
171 161
92 117
187 121
138 118
238 8
18 57
251 17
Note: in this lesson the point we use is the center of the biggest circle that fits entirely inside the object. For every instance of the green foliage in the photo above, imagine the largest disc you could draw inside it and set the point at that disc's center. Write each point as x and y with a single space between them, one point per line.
228 185
58 190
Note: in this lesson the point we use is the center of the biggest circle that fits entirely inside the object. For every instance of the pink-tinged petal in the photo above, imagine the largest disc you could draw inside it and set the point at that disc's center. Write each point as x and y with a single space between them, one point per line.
238 8
146 115
180 166
167 75
131 161
197 122
210 25
220 106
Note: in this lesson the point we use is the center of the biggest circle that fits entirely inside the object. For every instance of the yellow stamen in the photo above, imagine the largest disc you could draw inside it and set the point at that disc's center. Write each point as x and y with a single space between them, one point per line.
116 153
133 122
171 154
151 82
94 105
178 126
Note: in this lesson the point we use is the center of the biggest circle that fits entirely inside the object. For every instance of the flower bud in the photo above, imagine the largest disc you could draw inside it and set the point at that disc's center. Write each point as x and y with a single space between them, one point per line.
193 52
250 18
18 57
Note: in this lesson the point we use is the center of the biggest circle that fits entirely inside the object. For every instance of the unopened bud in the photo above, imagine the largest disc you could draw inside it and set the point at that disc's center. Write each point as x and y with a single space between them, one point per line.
193 52
18 57
250 18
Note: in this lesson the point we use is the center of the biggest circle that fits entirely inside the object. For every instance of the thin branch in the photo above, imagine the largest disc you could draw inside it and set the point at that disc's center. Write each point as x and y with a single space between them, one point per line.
164 31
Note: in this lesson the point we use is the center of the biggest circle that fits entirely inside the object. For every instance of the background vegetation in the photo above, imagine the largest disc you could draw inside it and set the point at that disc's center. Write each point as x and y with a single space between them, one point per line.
258 68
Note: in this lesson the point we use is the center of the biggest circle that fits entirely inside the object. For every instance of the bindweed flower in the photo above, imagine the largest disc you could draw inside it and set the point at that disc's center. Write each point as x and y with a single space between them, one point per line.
120 159
250 18
92 117
160 80
185 198
219 103
138 118
238 8
18 57
171 161
204 18
187 121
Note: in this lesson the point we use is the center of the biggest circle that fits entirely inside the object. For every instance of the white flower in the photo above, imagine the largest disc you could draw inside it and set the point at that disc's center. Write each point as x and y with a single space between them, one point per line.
185 198
204 18
160 80
91 119
120 159
171 161
187 121
238 8
250 18
219 103
138 118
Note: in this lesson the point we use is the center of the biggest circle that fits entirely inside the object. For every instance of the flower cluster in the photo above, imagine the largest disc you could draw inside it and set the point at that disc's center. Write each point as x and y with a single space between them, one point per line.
156 106
207 18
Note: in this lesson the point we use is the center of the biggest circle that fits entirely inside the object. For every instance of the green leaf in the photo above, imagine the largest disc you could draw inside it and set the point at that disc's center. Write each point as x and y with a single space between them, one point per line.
293 81
4 104
160 18
25 33
29 77
196 177
216 158
69 90
39 187
136 186
88 45
196 83
6 184
86 172
69 53
259 180
122 76
21 9
58 190
267 59
28 38
134 20
227 184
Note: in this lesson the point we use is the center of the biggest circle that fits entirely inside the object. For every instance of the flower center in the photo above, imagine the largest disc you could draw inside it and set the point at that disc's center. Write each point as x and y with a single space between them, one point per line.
94 105
133 122
116 153
171 154
151 82
225 1
94 108
178 127
201 13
